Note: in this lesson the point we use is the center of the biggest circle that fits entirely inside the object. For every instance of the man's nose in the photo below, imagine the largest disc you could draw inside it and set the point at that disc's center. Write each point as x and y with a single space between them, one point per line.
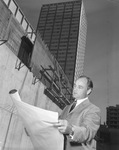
74 89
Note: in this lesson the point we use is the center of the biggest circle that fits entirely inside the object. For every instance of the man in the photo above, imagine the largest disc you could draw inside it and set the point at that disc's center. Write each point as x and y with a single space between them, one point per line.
80 124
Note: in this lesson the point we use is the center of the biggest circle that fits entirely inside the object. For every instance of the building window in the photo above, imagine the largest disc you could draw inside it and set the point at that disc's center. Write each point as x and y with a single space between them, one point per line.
13 7
24 24
19 16
6 2
25 51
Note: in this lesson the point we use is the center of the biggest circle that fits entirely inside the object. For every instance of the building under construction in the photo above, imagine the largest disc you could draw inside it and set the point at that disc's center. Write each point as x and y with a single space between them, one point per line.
27 65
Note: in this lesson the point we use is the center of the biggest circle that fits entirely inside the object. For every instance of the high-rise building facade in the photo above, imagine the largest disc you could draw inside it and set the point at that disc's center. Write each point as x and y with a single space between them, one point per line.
63 28
113 117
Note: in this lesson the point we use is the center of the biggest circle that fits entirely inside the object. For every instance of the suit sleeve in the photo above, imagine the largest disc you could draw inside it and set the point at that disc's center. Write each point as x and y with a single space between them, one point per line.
88 128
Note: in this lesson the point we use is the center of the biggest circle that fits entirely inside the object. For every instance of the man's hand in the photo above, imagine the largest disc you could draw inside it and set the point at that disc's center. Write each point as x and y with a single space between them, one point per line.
63 126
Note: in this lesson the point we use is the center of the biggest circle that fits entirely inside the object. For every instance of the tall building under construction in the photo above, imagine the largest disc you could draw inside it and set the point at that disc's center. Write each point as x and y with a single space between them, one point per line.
63 28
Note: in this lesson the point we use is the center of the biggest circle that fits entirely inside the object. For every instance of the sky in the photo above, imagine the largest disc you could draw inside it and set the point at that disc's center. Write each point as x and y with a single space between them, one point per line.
31 8
101 57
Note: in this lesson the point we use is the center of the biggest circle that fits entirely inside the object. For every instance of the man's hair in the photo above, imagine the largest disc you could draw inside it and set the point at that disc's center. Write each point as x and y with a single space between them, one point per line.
89 82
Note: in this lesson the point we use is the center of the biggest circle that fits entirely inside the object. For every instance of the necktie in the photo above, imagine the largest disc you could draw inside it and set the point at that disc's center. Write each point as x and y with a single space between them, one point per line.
73 106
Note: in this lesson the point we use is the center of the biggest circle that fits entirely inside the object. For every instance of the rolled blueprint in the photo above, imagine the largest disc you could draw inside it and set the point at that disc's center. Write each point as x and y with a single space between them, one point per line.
39 124
15 95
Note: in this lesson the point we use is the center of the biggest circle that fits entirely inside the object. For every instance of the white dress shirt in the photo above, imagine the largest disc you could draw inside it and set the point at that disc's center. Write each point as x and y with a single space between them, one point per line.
80 101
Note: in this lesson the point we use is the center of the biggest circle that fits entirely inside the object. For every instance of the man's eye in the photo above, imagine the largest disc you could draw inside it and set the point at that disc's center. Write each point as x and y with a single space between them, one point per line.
80 87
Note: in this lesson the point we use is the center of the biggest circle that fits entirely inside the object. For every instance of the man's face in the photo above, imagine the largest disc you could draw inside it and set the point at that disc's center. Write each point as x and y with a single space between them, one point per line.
80 88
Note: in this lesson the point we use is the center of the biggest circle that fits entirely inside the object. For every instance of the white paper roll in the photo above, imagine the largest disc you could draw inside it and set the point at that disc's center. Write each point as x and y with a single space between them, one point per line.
39 124
15 95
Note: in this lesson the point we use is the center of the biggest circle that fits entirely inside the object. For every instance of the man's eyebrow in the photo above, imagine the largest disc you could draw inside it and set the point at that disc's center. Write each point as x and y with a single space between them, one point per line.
80 86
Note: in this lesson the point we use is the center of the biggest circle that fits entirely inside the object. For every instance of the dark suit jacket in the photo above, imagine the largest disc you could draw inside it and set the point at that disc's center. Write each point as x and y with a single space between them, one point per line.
86 120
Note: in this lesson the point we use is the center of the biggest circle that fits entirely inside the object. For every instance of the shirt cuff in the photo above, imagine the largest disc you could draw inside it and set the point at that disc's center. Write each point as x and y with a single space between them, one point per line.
71 135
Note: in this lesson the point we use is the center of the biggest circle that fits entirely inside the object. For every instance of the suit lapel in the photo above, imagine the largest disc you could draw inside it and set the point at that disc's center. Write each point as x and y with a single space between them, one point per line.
65 113
80 107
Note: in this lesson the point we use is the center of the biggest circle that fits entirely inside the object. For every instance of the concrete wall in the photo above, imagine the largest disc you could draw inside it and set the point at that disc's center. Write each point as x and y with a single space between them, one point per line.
12 134
11 129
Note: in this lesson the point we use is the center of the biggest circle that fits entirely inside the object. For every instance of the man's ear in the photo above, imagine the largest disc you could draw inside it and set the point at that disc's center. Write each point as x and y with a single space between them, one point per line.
89 91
